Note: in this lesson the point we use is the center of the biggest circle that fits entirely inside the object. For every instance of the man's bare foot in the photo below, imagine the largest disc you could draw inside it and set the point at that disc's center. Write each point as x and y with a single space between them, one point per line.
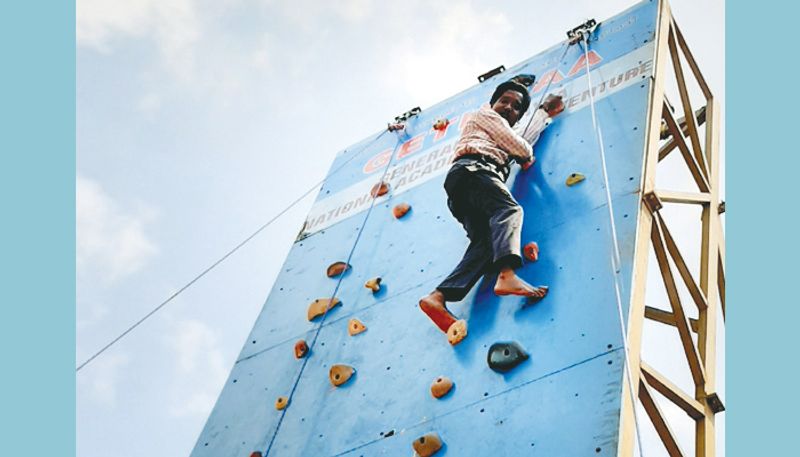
508 283
433 305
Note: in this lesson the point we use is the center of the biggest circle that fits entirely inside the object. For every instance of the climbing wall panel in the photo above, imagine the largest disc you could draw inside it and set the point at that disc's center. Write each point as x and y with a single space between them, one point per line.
563 400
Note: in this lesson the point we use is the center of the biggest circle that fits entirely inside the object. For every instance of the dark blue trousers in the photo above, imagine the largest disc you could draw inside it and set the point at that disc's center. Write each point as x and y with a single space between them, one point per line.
478 198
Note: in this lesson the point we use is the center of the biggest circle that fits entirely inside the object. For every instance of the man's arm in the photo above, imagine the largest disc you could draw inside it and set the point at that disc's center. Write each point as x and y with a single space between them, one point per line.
532 126
502 134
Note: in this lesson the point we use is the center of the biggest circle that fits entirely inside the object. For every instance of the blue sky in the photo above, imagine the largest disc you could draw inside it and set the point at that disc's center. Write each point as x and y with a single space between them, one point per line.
198 120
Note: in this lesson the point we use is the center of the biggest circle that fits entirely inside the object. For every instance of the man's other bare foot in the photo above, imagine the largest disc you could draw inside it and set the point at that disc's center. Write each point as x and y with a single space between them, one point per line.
508 283
434 306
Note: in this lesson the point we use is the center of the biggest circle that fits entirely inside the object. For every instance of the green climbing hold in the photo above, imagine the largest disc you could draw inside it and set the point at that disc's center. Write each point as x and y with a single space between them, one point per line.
504 356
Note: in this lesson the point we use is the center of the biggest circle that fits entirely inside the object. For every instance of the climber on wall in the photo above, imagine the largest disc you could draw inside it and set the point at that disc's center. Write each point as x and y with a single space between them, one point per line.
480 201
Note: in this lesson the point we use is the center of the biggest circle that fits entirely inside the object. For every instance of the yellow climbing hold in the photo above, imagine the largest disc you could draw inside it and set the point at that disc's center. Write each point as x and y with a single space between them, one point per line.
354 327
374 284
575 178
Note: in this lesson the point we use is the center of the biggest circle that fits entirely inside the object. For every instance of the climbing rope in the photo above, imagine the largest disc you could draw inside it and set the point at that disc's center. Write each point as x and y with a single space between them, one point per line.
228 254
333 296
549 82
615 255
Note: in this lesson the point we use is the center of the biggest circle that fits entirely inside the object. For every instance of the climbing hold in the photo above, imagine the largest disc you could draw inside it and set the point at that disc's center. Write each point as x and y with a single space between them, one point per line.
524 79
575 178
300 349
340 374
354 327
504 356
379 189
337 268
531 251
427 445
321 306
457 332
441 124
281 403
374 284
441 386
400 210
255 454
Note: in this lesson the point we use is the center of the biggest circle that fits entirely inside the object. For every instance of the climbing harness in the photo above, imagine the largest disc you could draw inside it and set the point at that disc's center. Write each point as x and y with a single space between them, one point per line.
583 32
402 119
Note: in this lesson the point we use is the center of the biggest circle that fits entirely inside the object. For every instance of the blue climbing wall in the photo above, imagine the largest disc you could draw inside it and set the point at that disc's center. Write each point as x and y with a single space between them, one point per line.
565 399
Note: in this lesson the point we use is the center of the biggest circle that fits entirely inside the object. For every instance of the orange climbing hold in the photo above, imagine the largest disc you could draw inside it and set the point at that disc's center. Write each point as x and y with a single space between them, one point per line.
379 189
531 251
427 445
300 349
321 306
281 403
255 454
340 374
337 268
457 332
354 327
441 386
400 210
373 284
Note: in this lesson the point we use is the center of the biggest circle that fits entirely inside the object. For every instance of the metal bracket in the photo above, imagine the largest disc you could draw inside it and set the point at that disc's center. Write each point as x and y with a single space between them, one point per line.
490 73
715 403
652 202
575 35
408 114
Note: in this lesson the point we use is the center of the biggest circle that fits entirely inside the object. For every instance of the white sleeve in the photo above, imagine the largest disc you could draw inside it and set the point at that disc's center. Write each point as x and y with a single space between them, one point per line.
533 126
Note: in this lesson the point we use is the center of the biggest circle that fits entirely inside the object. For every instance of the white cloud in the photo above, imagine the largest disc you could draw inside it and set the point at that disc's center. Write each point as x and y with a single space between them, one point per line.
173 24
456 46
110 241
353 10
200 368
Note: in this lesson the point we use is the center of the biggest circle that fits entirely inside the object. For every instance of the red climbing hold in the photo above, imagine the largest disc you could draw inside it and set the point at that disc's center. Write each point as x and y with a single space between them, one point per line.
337 268
531 251
300 349
441 124
379 189
400 210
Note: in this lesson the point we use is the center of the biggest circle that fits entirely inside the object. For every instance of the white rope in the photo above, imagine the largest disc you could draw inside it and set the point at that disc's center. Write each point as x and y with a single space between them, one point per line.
615 255
549 82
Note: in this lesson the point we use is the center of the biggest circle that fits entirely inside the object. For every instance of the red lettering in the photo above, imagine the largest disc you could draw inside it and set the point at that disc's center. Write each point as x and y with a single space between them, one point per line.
379 160
594 59
411 146
553 74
